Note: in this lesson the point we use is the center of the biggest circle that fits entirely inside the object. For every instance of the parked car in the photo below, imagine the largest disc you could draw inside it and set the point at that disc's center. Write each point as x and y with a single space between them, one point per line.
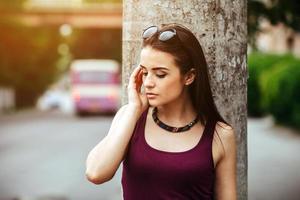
57 96
55 99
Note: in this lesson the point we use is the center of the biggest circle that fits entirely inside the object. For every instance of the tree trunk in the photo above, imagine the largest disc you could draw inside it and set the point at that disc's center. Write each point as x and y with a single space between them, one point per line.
220 26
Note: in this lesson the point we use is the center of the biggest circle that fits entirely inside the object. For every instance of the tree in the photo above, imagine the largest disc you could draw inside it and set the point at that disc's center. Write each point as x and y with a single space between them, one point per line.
12 5
27 60
222 30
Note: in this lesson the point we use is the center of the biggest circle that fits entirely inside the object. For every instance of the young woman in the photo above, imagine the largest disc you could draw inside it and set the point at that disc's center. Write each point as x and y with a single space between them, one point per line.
170 136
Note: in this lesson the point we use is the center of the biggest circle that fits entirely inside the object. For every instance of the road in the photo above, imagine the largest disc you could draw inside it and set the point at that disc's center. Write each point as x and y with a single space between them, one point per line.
273 161
42 156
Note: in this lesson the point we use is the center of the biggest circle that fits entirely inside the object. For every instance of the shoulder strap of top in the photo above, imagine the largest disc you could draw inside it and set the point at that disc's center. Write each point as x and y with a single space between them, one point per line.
209 130
140 125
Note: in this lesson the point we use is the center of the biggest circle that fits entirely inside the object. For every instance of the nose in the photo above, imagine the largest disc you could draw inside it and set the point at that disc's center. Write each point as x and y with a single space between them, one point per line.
148 81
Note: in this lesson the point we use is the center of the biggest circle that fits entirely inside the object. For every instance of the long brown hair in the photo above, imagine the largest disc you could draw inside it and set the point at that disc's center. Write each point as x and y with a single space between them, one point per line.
188 54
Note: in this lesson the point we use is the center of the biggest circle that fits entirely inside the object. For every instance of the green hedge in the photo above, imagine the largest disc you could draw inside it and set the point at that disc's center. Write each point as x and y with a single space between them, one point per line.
258 63
280 87
274 87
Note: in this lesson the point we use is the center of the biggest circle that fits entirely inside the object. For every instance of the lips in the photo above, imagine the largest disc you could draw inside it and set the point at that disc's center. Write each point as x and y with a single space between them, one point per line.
149 93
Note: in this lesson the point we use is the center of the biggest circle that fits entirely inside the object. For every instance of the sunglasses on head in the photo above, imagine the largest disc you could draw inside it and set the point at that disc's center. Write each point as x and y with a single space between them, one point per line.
163 35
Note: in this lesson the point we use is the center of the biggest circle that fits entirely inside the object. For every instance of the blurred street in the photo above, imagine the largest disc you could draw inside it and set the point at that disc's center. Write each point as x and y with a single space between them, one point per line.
42 156
273 161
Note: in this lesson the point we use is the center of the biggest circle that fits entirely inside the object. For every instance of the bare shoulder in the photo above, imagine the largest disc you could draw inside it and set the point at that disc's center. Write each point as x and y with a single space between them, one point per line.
123 107
225 131
121 110
225 135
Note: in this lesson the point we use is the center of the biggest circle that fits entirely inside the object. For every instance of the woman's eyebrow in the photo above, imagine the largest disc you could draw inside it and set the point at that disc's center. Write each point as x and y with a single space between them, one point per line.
155 68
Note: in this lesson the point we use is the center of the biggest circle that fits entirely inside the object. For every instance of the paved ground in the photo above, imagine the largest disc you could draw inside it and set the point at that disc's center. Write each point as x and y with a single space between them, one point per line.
42 157
274 161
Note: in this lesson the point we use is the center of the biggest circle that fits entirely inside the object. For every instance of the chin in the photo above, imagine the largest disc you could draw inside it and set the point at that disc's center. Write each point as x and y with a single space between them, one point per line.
153 103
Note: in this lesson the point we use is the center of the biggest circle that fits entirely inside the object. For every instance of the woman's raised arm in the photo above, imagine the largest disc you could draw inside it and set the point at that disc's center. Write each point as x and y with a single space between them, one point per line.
104 159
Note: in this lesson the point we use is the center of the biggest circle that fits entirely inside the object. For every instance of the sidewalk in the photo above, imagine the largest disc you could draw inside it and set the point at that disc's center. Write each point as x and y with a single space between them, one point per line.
274 161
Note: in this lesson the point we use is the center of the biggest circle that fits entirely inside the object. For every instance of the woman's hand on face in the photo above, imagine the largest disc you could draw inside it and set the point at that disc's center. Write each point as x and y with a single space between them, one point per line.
136 98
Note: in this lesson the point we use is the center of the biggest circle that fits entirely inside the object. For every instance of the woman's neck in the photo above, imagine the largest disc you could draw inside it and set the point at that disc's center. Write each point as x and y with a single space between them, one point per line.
177 113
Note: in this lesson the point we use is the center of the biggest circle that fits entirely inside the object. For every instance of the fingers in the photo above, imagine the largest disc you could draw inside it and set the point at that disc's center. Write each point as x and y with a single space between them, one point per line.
135 79
139 80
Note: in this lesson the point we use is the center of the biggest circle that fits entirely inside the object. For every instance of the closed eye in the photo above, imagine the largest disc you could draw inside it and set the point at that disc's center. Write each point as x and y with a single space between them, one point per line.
161 76
158 75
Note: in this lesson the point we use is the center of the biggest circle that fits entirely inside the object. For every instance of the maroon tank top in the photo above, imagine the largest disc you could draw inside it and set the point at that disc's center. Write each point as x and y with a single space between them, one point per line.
152 174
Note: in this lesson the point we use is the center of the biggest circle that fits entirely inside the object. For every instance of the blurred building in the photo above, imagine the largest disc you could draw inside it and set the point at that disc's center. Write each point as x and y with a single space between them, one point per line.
54 3
77 13
278 39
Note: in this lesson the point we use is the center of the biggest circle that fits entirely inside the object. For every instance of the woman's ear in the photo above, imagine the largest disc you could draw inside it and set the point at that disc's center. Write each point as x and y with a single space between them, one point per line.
190 77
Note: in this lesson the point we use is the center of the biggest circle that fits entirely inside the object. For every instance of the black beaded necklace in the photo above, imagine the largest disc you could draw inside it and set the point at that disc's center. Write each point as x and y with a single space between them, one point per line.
170 128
